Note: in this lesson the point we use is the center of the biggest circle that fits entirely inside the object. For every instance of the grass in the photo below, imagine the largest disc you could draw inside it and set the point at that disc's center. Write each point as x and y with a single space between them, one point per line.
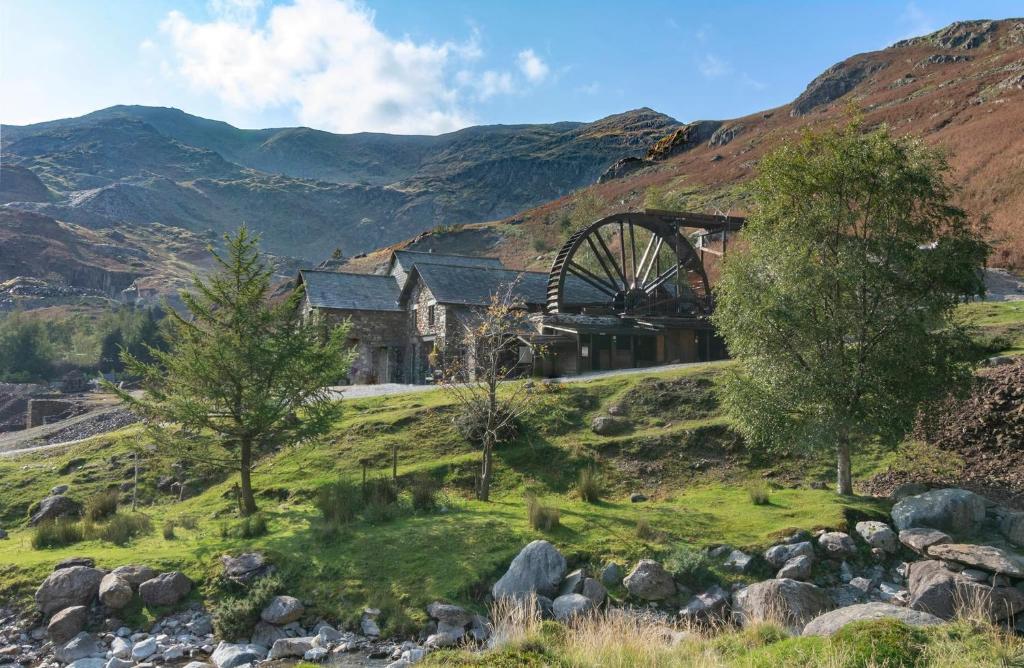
999 321
759 493
455 549
541 517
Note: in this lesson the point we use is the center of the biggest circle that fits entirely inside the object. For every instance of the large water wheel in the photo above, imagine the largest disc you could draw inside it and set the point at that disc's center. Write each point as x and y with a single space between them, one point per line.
631 264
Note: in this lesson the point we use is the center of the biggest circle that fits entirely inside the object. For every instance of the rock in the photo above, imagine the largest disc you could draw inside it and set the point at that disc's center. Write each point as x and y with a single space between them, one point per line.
165 589
414 654
878 535
327 635
3 535
941 592
974 575
778 555
797 568
479 630
830 622
283 610
985 557
545 607
82 646
369 627
595 591
68 587
134 574
115 591
908 489
573 583
863 584
710 604
245 567
54 507
786 602
1011 525
955 510
144 649
845 595
738 562
607 425
59 490
440 640
173 653
637 497
919 540
611 575
265 635
197 664
315 654
450 614
232 655
67 624
89 662
538 567
837 544
120 648
75 561
649 581
290 647
571 605
720 551
118 662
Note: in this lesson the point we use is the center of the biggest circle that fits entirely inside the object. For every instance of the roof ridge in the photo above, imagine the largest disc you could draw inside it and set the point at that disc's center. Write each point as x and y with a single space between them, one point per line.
471 257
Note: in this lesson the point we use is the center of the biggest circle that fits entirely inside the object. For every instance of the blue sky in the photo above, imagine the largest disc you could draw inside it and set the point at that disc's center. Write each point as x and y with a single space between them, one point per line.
437 65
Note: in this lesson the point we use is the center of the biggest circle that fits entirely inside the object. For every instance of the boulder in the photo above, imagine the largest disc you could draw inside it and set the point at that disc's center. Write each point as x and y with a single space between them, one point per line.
573 582
327 636
1011 525
710 604
611 575
54 507
538 568
120 648
265 635
134 574
919 540
67 624
118 662
607 425
837 544
449 614
797 568
649 581
440 640
144 649
233 655
115 591
906 489
943 593
787 602
738 562
165 589
75 561
88 662
368 625
985 557
637 497
595 591
283 610
3 535
571 605
82 646
830 622
955 510
315 654
198 664
878 535
68 587
245 567
778 555
290 648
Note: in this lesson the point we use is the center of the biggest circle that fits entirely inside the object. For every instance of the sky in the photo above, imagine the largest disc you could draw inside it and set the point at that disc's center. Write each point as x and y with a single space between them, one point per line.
432 66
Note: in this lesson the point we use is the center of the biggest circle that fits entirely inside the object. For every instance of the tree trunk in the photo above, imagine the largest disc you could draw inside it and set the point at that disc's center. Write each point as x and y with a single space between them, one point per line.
135 483
844 479
484 493
248 501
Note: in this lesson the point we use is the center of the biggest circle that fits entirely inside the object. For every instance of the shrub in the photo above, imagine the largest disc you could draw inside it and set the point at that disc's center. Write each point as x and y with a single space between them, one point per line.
56 533
543 518
120 529
590 487
252 526
169 530
339 502
423 490
381 490
188 522
759 493
235 615
644 531
102 505
884 642
689 565
470 426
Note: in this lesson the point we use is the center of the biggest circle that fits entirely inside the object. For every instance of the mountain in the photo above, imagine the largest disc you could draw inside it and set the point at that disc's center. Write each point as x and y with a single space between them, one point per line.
960 88
306 191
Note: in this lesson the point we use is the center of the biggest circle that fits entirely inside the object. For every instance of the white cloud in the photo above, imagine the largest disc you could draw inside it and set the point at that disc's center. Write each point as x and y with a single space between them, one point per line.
712 67
592 88
533 68
237 11
328 60
917 21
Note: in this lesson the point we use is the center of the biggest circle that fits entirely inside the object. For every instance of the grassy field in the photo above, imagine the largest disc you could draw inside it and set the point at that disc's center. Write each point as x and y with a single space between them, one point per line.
679 451
1004 320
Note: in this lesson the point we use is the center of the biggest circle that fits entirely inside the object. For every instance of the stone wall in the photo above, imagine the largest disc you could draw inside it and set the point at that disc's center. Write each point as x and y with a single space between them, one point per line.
40 411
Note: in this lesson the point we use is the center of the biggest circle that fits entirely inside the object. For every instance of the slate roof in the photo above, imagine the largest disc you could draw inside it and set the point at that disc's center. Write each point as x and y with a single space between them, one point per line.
475 285
355 292
407 259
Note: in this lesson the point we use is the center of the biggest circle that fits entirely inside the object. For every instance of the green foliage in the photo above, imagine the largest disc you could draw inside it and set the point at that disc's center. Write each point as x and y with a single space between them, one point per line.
243 374
250 526
541 517
56 533
587 207
759 493
838 305
689 565
235 612
119 529
168 530
590 486
101 505
26 352
423 491
883 642
926 462
339 502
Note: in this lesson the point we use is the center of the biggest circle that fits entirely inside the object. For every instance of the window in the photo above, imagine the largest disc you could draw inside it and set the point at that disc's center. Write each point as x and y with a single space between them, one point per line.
430 315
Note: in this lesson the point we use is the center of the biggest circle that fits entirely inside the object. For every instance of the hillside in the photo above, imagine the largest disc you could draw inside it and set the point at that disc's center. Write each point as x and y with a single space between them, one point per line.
306 191
960 88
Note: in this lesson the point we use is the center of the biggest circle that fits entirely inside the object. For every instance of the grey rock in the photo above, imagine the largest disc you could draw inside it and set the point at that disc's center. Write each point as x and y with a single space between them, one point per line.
797 568
120 648
975 575
144 649
134 574
837 544
595 591
59 489
3 535
165 589
985 557
197 664
68 587
573 583
369 627
55 507
919 540
787 602
88 662
75 561
864 584
846 594
571 605
607 425
479 630
878 535
937 590
908 489
830 622
778 555
720 551
67 624
315 654
738 562
265 635
233 655
290 648
710 604
245 567
118 662
173 653
115 592
283 610
649 581
440 640
1011 525
894 594
82 646
448 613
956 510
538 567
326 636
637 497
611 575
455 631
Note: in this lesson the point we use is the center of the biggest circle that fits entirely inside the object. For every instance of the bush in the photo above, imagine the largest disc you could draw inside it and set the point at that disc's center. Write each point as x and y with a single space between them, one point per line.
169 530
120 529
759 493
543 518
689 565
471 425
424 490
884 642
102 505
252 526
644 531
590 487
234 616
339 502
56 533
381 490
